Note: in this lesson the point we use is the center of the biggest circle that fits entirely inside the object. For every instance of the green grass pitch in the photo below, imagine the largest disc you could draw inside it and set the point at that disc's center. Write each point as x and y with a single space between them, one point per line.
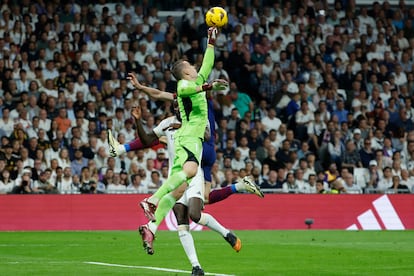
308 252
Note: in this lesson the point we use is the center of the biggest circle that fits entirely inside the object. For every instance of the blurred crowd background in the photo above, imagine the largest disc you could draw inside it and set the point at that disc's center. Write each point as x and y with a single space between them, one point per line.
320 97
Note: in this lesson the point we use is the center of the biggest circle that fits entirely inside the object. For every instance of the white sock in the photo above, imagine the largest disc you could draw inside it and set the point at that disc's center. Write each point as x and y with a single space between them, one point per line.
153 227
153 200
120 149
187 242
209 221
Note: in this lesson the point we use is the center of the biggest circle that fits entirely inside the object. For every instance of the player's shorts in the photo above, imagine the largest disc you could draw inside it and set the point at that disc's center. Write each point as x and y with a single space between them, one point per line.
207 160
194 189
186 149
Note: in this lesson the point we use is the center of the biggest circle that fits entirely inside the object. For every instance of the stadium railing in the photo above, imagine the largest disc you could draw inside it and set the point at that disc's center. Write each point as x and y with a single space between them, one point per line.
266 191
388 191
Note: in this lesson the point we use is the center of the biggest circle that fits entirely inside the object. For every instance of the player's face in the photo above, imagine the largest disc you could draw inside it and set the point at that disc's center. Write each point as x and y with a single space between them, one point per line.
189 71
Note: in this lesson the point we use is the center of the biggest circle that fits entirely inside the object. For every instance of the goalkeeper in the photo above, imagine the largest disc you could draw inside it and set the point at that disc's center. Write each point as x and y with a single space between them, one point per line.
193 109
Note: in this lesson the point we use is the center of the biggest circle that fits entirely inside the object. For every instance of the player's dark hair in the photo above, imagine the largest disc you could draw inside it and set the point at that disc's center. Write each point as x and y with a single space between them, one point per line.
177 69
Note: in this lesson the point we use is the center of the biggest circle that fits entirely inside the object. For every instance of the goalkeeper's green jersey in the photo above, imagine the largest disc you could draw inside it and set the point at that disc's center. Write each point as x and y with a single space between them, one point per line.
193 104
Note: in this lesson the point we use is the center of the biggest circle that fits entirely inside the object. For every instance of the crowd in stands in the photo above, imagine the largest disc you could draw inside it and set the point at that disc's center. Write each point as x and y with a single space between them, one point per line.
320 96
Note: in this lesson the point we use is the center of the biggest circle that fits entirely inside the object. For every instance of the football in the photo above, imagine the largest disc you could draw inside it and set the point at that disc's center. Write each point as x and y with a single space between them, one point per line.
216 17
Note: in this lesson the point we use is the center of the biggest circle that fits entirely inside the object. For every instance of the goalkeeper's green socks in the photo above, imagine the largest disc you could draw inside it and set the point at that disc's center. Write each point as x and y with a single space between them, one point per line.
165 205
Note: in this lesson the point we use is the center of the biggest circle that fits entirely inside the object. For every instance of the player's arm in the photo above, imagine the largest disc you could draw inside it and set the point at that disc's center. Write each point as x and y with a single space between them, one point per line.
152 92
208 60
147 139
187 88
207 65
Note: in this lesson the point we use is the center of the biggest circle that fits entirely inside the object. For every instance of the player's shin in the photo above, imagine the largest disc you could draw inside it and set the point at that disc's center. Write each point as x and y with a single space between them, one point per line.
164 206
187 242
220 194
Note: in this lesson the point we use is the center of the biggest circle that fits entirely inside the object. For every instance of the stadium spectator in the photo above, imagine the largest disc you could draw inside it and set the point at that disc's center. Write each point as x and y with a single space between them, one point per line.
241 100
290 186
228 178
24 184
271 121
303 118
300 180
337 187
78 162
406 179
6 123
385 181
243 147
310 185
397 187
87 184
237 162
320 187
366 153
233 119
155 180
272 159
65 183
6 183
350 186
44 185
271 181
350 157
137 185
331 174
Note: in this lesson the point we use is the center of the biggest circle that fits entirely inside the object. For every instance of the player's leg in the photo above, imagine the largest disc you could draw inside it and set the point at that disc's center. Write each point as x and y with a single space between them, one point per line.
176 177
207 162
186 162
244 185
149 230
187 172
205 219
213 196
116 149
165 205
186 239
195 196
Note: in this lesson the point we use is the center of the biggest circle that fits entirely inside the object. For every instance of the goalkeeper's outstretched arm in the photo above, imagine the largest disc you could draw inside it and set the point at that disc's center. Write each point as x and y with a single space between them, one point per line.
208 60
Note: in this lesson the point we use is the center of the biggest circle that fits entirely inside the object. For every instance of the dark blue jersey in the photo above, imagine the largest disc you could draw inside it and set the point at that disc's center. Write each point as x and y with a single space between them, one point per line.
212 122
209 152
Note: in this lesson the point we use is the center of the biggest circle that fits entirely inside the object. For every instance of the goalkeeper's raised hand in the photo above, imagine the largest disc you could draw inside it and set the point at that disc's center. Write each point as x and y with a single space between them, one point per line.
212 35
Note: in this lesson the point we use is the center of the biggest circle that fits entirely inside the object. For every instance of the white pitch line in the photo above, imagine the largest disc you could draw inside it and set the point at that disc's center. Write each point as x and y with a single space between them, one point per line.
36 262
153 268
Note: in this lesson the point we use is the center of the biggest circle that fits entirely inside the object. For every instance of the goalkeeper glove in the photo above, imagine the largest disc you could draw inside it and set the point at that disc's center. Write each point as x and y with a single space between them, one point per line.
212 35
217 84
